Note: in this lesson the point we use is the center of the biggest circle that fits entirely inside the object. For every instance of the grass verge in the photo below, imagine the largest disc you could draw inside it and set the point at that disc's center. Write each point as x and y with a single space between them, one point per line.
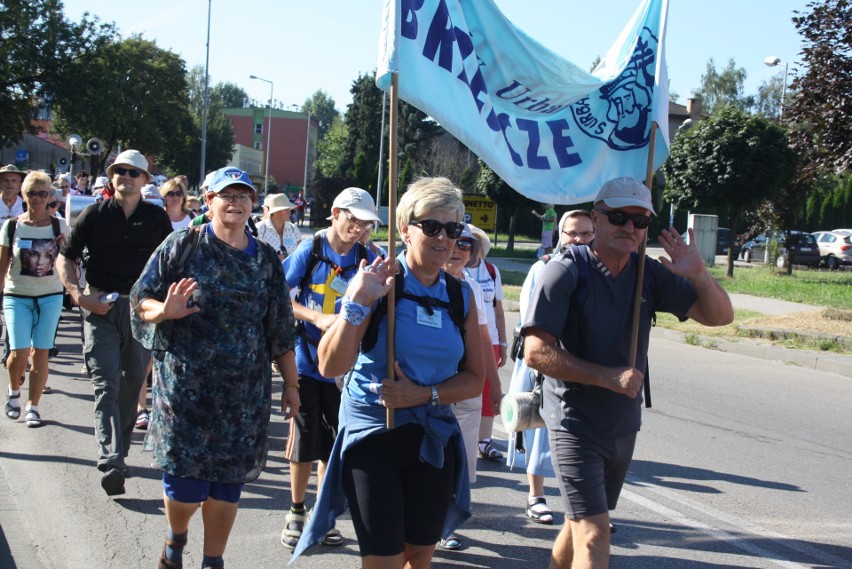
824 288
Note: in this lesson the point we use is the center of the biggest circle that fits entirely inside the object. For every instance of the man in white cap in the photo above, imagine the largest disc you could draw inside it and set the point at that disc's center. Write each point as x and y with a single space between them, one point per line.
119 234
577 333
318 273
11 202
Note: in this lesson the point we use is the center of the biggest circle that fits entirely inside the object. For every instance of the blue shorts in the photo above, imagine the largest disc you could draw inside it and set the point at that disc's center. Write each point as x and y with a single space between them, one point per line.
32 321
190 491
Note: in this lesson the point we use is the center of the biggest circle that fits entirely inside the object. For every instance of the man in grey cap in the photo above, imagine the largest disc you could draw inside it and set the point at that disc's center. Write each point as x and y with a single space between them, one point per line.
115 238
577 333
11 204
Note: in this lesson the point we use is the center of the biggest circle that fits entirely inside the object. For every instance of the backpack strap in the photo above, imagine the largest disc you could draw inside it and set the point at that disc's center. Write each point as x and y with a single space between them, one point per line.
492 272
13 226
455 307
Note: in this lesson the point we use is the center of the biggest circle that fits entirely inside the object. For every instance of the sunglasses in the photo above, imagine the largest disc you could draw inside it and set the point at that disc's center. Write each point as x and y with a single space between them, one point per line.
620 218
132 172
174 194
432 228
39 194
464 245
53 204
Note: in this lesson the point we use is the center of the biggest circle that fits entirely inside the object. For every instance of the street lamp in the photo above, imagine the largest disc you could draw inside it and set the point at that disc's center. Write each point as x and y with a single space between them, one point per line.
773 61
268 133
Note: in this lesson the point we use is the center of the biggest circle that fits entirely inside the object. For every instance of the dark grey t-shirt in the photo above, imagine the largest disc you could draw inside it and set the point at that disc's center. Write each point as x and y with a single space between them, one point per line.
604 322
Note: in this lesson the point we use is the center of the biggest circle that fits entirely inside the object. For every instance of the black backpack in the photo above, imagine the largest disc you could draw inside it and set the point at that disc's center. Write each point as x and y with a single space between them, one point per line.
455 307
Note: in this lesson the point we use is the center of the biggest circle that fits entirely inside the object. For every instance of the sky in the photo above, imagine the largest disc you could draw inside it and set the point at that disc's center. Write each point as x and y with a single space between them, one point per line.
326 44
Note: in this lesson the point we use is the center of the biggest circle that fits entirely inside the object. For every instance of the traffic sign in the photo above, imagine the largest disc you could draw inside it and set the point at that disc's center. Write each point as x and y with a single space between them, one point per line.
480 211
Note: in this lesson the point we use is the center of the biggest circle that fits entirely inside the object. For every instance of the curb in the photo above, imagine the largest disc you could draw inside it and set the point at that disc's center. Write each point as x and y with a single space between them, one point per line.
808 359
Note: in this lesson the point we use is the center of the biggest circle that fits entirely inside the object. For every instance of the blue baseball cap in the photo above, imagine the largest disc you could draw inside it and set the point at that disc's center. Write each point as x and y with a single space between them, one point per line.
229 176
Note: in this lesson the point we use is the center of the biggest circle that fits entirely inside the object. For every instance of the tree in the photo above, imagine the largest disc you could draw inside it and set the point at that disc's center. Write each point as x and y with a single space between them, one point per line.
821 110
768 101
128 91
490 184
38 48
730 161
323 110
229 96
719 88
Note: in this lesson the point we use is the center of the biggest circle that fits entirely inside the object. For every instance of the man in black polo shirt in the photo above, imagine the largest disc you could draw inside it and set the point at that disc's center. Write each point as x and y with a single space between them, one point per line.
114 238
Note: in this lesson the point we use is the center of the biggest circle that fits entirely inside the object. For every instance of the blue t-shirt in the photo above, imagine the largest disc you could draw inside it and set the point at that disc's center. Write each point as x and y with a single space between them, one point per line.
326 287
428 348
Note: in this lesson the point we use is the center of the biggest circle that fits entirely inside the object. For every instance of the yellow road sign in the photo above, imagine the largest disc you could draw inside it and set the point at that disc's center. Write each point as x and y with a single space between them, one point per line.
480 211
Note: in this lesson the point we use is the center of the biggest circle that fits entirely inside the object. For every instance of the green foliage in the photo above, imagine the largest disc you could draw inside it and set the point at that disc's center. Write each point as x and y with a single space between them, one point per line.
129 91
38 49
322 109
363 121
229 96
490 184
826 288
822 108
331 151
724 88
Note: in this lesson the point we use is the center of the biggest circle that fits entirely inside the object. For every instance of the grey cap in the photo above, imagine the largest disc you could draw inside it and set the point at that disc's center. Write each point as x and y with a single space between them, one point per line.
625 192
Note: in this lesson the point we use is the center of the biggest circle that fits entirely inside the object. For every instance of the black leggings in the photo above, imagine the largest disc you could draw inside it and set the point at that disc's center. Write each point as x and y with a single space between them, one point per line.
395 498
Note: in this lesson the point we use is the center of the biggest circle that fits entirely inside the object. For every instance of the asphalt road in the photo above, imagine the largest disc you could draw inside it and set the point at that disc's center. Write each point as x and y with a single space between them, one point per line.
742 462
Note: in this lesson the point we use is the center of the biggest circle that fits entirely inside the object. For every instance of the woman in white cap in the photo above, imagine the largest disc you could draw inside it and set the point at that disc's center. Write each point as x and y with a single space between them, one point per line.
276 228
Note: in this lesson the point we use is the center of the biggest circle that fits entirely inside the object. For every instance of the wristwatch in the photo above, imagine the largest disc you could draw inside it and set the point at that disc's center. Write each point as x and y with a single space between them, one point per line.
435 399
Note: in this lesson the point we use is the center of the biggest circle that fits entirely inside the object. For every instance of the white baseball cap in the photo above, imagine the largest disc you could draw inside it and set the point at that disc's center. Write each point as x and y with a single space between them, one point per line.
358 202
625 192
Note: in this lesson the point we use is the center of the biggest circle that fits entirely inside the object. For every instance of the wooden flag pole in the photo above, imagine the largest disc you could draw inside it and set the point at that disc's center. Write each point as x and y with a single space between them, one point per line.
640 270
393 183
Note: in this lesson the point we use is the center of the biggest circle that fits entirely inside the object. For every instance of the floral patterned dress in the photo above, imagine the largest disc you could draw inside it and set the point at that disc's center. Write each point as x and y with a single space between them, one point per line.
213 388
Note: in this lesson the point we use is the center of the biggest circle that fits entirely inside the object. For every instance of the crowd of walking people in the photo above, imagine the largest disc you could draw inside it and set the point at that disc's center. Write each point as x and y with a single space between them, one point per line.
163 287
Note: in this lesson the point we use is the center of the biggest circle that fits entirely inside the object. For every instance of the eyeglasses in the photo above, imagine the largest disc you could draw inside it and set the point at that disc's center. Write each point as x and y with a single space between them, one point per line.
231 198
64 187
581 235
464 244
620 218
39 194
359 223
53 204
132 172
177 194
432 228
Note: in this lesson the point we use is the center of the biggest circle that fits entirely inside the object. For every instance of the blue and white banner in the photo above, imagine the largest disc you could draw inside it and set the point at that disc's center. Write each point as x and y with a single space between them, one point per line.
552 131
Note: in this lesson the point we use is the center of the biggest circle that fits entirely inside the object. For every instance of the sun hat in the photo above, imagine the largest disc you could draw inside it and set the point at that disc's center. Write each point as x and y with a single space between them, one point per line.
277 202
229 176
12 169
467 233
130 158
358 202
484 241
625 192
100 182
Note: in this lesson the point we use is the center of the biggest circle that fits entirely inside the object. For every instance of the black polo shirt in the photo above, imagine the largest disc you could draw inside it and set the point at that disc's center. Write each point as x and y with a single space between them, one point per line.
115 248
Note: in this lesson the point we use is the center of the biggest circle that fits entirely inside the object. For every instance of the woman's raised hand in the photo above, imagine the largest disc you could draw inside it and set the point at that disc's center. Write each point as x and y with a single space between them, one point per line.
372 281
178 295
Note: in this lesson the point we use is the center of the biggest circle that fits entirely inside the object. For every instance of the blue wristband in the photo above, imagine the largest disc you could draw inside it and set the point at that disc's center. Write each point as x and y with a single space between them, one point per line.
353 312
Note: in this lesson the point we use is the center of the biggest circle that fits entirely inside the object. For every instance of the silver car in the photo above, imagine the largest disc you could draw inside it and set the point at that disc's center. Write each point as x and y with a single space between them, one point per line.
835 248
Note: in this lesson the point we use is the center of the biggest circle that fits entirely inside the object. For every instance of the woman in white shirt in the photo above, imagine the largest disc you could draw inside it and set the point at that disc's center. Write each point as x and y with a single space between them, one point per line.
276 228
173 193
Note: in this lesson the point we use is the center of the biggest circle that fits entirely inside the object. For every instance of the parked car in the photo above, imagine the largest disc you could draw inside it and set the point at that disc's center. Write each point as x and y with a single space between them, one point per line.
803 250
723 241
835 248
753 248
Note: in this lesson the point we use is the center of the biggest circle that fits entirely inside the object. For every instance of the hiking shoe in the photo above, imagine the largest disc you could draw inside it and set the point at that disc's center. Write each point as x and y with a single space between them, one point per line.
113 481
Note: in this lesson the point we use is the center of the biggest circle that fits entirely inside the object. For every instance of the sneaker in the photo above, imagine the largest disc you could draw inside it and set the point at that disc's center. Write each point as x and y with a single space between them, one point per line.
33 419
113 481
452 543
142 420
